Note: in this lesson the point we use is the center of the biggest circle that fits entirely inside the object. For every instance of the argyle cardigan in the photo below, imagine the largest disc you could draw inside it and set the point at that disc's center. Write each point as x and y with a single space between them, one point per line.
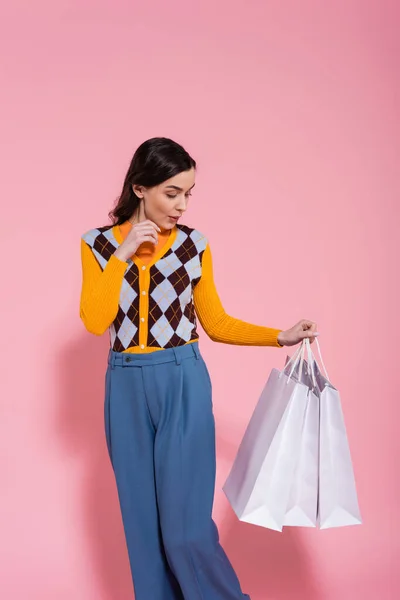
171 318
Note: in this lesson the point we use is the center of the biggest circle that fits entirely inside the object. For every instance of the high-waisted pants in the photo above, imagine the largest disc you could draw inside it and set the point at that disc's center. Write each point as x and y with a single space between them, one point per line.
160 433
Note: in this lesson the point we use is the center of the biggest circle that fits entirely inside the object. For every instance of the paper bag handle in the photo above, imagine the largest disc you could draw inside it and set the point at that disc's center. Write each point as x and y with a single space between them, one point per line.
313 359
295 360
299 356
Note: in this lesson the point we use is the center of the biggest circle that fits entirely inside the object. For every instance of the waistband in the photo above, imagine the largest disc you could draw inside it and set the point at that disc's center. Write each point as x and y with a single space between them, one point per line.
126 359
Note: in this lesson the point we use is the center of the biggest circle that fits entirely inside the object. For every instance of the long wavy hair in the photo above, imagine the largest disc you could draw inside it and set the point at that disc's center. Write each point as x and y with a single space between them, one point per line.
155 161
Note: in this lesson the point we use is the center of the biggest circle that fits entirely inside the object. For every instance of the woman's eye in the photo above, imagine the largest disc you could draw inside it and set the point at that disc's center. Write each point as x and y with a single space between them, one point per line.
173 196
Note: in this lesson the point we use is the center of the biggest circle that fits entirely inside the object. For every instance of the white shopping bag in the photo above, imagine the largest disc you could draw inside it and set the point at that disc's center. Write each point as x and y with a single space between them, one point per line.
259 484
338 503
302 507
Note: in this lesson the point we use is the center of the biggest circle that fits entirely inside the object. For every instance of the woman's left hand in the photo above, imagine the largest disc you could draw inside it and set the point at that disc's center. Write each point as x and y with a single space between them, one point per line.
296 334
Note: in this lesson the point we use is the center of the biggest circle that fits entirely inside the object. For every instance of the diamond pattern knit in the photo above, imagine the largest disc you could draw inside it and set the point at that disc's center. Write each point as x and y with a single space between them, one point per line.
171 314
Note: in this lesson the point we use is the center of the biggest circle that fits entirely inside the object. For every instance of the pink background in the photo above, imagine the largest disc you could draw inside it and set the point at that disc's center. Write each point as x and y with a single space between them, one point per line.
292 111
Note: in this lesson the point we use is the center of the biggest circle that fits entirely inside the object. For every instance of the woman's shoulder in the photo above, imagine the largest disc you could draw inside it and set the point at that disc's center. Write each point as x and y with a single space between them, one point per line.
92 234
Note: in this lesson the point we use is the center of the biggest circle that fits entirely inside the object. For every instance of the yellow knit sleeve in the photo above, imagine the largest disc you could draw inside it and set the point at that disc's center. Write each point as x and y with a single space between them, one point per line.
100 290
219 326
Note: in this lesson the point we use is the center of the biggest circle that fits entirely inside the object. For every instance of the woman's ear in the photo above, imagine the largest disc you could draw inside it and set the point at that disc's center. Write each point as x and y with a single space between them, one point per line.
138 190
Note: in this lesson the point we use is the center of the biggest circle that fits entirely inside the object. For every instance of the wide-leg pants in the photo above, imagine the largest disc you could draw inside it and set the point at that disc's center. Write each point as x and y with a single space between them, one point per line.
160 433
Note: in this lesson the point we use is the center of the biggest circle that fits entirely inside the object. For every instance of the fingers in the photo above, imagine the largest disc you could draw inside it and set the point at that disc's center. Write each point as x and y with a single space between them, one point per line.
146 224
309 330
306 334
152 238
147 229
147 234
306 324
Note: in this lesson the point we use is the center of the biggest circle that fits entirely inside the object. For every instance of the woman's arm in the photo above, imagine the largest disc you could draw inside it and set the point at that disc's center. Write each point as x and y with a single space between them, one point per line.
219 326
100 290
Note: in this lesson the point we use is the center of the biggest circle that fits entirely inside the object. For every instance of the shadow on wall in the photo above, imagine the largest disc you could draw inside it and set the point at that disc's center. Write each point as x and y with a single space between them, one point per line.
81 430
270 565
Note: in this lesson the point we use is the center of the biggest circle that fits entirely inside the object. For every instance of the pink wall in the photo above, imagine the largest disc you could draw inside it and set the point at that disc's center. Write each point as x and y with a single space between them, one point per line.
292 111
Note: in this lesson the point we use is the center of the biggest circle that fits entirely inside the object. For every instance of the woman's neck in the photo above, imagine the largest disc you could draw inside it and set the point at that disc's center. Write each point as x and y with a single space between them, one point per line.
133 221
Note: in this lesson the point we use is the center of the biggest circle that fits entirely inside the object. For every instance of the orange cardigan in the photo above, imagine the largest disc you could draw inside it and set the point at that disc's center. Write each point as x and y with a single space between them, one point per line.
101 289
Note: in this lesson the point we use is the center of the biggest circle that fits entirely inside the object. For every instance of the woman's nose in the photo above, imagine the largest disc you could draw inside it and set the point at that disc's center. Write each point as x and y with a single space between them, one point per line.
182 204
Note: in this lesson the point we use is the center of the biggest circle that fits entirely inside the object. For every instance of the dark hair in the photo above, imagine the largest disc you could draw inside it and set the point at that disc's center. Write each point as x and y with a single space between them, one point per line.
155 161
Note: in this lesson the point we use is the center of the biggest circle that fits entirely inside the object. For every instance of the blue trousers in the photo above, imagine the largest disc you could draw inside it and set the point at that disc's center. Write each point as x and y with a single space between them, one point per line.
160 433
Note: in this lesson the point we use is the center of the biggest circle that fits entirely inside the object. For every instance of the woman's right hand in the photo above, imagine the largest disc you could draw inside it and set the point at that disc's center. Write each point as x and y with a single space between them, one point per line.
144 231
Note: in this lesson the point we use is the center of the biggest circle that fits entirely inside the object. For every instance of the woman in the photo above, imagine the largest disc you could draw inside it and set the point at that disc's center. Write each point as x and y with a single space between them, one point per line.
147 277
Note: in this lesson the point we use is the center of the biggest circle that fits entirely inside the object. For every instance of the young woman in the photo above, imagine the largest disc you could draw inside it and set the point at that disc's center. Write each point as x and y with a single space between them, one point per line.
147 277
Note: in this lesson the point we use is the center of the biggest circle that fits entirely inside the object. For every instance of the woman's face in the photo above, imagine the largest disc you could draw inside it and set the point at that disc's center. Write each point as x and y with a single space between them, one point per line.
165 203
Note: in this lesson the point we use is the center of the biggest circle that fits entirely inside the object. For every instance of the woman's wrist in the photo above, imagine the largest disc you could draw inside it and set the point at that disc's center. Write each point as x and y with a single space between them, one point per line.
281 338
121 254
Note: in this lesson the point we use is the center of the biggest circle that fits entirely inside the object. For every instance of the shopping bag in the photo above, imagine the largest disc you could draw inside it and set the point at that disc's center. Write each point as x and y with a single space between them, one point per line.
302 506
259 483
338 502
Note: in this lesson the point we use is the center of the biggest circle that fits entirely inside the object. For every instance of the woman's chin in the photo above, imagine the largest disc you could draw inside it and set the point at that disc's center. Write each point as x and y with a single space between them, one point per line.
167 224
